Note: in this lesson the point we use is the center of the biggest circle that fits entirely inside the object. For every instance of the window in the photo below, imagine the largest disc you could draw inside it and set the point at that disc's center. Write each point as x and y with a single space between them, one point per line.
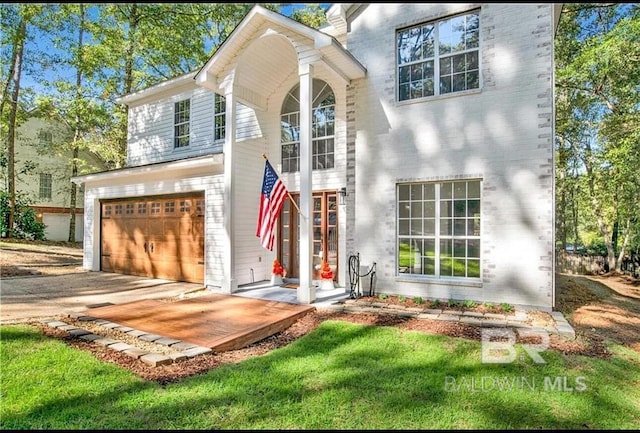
219 112
181 124
45 186
45 138
439 57
322 128
439 229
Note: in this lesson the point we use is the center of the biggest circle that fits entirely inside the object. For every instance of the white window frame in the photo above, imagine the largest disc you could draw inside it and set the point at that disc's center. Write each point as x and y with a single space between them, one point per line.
45 190
436 59
219 118
178 135
471 236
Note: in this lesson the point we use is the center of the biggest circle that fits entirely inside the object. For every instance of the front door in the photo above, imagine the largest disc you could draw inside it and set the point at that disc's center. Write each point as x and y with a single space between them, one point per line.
325 234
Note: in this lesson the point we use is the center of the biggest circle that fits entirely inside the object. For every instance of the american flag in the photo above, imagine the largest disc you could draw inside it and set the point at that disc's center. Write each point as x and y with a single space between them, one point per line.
272 198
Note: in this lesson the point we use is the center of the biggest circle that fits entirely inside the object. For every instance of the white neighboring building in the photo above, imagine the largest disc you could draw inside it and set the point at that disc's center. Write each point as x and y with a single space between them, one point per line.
46 177
417 135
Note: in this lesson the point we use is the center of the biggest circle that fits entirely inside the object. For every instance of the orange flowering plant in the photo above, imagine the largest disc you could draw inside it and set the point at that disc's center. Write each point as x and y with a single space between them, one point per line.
326 273
277 268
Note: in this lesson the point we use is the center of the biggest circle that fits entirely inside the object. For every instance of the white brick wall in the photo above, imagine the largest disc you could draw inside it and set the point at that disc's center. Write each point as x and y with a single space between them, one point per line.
501 134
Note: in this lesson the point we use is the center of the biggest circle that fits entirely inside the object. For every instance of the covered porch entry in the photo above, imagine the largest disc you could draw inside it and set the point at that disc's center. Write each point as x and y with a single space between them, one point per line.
265 64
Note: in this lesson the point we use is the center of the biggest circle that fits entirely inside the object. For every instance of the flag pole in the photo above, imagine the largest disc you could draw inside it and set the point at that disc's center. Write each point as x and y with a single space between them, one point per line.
264 155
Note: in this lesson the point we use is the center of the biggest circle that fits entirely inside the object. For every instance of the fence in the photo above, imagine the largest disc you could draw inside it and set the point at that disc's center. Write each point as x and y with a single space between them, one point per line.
572 263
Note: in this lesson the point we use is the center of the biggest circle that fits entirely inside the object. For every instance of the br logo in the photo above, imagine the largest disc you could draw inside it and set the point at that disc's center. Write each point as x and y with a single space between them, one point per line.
498 345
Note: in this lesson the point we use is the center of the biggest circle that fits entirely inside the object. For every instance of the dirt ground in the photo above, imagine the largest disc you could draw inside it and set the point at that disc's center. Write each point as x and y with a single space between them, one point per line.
600 308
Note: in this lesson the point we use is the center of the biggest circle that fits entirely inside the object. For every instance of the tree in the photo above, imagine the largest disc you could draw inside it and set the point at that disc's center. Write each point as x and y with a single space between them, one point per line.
598 121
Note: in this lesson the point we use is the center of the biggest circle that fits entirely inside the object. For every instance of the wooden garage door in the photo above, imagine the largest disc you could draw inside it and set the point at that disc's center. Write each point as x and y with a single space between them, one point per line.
158 237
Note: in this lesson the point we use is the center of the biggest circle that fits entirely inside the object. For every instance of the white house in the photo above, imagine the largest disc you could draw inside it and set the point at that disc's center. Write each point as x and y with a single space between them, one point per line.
417 135
43 175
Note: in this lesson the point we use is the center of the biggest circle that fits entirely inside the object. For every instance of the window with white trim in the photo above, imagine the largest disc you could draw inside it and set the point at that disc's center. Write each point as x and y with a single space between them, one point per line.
219 117
322 128
438 229
46 183
182 113
439 57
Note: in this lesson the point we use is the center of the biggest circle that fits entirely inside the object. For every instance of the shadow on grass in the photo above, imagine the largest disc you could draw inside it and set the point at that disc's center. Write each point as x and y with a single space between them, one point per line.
345 376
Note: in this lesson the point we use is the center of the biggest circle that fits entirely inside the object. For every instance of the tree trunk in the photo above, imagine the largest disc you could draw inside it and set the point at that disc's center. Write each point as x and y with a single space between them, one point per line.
73 198
625 242
11 131
77 132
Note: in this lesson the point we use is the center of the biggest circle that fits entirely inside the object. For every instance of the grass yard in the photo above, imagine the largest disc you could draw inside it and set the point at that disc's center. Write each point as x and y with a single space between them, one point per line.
340 376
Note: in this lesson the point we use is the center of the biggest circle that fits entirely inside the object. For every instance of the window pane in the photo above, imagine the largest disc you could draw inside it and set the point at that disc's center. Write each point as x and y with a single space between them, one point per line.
445 209
430 192
403 228
459 248
474 189
416 226
429 248
404 210
416 209
459 208
459 268
459 226
429 266
430 227
446 226
416 192
446 267
430 209
403 192
445 190
473 248
473 208
473 268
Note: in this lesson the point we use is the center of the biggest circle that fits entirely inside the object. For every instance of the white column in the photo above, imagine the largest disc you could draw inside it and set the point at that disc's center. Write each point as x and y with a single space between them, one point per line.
229 282
306 290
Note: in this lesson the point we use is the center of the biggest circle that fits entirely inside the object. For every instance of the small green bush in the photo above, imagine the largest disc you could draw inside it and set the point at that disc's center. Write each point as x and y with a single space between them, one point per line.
506 307
470 304
402 298
436 303
452 303
383 296
25 222
418 300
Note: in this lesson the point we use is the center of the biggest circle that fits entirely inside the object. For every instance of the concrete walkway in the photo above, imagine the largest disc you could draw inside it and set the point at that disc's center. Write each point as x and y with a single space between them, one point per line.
44 296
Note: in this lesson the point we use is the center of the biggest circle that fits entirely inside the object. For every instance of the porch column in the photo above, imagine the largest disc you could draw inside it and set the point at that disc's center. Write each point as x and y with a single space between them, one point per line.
306 290
229 282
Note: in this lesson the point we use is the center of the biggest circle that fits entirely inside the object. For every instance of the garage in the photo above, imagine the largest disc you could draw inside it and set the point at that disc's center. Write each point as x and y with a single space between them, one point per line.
156 237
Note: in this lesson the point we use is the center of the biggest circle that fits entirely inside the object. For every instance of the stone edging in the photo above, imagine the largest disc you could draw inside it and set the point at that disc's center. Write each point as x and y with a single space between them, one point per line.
493 320
184 350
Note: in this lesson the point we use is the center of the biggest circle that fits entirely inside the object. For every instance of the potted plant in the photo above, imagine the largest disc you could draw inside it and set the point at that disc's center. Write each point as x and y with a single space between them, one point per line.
277 271
327 277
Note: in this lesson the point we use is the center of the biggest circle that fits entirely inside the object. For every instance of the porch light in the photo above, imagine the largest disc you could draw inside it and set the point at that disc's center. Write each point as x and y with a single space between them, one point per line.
343 195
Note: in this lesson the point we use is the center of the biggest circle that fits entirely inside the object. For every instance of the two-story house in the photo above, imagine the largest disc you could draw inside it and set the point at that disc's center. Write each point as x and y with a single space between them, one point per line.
417 135
44 172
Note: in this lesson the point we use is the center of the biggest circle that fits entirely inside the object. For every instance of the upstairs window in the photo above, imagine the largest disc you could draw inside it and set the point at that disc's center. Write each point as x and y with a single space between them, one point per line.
219 111
45 186
439 57
322 128
182 111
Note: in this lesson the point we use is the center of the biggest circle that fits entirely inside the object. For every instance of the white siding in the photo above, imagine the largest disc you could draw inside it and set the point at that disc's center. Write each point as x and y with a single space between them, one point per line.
501 134
161 182
151 128
57 226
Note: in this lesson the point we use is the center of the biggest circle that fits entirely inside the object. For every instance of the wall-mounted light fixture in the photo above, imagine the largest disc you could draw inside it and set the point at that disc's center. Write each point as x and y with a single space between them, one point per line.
343 195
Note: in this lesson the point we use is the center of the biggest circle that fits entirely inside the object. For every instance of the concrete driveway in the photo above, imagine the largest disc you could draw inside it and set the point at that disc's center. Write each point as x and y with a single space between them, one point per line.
44 296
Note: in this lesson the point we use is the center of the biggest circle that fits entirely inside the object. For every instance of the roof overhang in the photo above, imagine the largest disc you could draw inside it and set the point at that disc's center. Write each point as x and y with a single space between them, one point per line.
163 87
326 49
200 163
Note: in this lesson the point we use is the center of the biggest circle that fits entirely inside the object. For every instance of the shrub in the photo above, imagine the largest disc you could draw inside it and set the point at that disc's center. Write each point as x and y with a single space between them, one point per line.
470 304
418 300
452 303
436 303
402 298
506 307
383 296
25 224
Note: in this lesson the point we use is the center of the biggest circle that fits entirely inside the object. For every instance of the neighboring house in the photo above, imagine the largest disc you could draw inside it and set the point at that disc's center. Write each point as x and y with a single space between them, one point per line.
417 135
44 176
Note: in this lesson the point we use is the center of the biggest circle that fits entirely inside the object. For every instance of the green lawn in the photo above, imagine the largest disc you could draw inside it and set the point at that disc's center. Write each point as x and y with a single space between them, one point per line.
341 376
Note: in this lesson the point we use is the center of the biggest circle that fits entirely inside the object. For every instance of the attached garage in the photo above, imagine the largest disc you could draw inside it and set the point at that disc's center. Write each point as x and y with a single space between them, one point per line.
163 220
157 237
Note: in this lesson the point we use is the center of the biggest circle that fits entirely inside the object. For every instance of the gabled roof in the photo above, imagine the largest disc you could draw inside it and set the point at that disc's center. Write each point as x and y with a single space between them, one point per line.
327 47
